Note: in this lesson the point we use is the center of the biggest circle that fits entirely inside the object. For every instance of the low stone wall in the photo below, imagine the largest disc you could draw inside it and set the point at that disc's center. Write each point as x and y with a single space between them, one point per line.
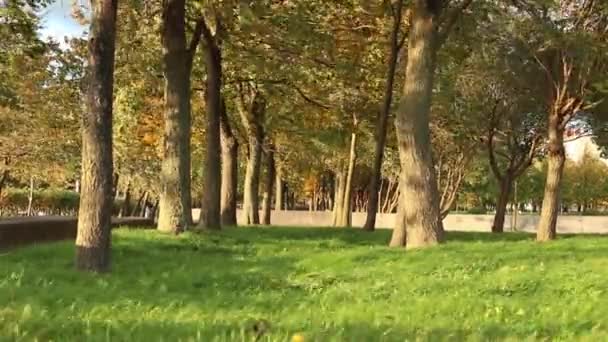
456 222
19 231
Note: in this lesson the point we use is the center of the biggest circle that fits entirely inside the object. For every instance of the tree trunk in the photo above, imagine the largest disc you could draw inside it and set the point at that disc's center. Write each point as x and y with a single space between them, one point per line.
374 186
211 208
126 204
175 198
144 205
346 217
94 215
141 201
253 121
418 186
115 179
501 203
269 184
252 181
339 197
556 158
155 209
278 198
230 170
30 197
398 238
3 181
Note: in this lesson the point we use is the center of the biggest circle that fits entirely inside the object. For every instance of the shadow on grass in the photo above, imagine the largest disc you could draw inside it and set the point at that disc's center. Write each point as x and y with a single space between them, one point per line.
488 237
356 236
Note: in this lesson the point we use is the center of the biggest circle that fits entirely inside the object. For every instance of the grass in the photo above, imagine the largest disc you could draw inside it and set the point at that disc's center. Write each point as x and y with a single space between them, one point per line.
326 284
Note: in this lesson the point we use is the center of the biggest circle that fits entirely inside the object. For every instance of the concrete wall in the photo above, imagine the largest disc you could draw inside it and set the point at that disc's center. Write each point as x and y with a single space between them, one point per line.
20 231
481 223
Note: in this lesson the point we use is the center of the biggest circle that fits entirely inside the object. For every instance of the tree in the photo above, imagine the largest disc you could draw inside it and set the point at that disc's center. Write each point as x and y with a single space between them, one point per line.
396 44
210 211
521 142
343 216
175 201
252 109
268 184
93 238
429 28
569 62
230 169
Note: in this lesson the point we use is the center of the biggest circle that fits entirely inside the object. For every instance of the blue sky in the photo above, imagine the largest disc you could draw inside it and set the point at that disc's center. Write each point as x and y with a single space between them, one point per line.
57 22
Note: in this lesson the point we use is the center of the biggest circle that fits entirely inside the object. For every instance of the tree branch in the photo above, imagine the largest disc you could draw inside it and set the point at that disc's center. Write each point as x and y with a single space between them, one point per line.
196 37
527 161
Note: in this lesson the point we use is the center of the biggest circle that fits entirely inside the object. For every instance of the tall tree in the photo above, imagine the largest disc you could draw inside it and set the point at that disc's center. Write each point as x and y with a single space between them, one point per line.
567 41
429 28
210 211
252 108
268 184
175 199
230 169
520 142
382 121
93 237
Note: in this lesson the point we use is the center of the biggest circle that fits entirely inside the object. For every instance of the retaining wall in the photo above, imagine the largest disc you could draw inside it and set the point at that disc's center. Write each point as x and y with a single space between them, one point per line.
21 231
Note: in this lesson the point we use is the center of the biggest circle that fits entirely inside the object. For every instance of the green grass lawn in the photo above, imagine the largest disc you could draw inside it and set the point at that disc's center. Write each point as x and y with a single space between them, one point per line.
327 284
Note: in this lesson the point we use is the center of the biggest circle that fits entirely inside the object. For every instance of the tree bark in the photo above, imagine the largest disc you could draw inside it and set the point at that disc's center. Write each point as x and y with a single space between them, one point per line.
175 198
418 186
30 197
346 212
115 179
398 238
230 170
141 201
211 208
94 215
269 184
278 198
155 209
339 197
502 201
126 204
253 122
3 180
374 191
252 183
556 158
144 205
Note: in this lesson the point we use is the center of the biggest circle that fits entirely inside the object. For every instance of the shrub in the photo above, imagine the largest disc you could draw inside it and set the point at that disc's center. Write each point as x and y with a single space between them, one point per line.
50 201
477 211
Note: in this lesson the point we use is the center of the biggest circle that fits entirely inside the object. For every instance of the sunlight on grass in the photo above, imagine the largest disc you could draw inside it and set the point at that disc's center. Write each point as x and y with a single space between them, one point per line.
319 284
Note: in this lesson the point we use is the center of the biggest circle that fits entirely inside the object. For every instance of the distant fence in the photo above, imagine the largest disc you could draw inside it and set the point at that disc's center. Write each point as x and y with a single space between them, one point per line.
21 231
458 222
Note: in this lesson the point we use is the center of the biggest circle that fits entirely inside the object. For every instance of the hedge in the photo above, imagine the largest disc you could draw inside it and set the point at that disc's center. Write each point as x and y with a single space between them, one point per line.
50 201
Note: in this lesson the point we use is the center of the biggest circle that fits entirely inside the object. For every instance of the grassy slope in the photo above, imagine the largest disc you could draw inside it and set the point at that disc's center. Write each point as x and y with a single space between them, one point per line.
331 285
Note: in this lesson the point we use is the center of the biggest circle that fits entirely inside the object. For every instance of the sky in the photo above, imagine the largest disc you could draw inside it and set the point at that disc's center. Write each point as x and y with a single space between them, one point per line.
57 22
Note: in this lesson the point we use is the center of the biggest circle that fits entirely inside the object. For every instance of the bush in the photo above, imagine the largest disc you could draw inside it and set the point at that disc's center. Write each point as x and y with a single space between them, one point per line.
477 211
50 201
